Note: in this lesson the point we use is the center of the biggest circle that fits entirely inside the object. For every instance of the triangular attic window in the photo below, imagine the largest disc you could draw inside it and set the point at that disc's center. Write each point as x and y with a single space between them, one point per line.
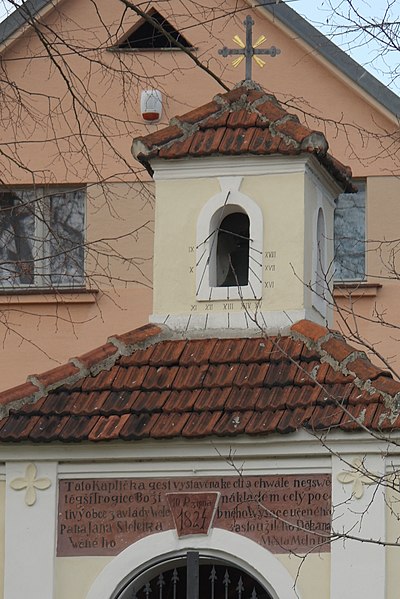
146 37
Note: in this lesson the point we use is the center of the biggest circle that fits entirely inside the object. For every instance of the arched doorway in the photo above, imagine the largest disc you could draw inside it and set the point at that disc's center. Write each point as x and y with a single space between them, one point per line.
140 559
191 576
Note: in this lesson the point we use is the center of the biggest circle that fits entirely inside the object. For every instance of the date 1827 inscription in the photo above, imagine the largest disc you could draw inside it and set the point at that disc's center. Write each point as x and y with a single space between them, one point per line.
285 514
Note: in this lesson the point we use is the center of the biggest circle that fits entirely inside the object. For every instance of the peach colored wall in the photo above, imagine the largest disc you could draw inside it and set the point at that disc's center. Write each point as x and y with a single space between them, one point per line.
379 303
42 332
2 535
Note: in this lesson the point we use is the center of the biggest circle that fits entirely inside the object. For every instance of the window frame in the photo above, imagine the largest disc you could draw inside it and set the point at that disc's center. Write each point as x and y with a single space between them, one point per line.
361 184
41 243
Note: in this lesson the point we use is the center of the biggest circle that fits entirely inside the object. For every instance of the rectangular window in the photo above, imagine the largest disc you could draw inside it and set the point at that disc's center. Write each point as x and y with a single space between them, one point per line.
42 238
350 235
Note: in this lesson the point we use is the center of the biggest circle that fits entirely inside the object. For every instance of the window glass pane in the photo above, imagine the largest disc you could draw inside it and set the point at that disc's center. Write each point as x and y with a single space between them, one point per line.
17 238
350 235
66 251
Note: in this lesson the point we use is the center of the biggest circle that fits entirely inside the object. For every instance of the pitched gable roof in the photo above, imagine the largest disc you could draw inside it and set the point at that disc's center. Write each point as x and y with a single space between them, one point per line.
245 120
150 384
289 17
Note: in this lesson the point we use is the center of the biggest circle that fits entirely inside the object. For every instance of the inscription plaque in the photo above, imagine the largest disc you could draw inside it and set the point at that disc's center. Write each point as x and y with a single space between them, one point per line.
192 513
289 513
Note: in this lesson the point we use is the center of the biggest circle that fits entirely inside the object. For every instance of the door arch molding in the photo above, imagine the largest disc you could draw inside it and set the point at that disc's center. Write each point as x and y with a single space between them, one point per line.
222 544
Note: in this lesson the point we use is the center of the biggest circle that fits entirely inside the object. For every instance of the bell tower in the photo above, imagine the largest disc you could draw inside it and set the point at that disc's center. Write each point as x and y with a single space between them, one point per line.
245 199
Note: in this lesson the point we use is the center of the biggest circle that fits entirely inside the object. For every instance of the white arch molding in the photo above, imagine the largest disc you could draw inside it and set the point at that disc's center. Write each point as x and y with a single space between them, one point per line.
240 551
230 199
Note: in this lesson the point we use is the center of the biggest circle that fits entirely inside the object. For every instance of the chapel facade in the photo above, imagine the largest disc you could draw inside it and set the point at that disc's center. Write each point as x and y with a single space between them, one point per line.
234 446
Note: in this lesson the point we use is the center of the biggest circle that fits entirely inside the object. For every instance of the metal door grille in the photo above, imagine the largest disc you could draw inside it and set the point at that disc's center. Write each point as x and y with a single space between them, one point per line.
195 577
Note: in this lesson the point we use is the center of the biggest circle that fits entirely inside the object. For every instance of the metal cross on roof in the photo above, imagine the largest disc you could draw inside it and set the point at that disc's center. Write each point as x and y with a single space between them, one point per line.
247 50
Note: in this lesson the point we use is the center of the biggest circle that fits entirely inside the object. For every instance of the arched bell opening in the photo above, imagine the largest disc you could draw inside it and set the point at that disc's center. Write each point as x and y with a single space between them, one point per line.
229 240
232 259
191 576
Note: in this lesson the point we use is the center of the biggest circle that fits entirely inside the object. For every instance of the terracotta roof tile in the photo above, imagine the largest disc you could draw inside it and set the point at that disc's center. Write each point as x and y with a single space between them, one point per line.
17 427
262 423
310 330
206 142
195 388
138 336
290 421
103 380
288 147
337 393
197 351
181 401
221 375
358 396
256 350
160 378
137 358
287 347
245 120
88 404
354 416
237 141
386 385
47 427
201 424
191 377
118 402
293 129
21 392
326 417
149 401
280 373
242 399
200 113
169 425
304 396
215 121
162 136
138 426
226 351
108 429
263 142
251 375
338 349
307 372
364 369
269 112
212 399
51 377
242 119
95 356
130 378
77 428
232 423
180 149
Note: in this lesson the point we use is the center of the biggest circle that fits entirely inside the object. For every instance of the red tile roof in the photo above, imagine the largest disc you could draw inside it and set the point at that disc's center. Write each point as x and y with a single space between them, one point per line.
245 120
147 383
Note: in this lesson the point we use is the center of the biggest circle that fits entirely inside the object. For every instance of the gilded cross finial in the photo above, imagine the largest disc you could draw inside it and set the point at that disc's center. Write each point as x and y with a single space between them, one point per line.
247 50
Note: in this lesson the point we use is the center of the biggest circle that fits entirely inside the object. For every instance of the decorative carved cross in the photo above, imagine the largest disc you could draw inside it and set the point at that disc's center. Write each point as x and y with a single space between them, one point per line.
247 50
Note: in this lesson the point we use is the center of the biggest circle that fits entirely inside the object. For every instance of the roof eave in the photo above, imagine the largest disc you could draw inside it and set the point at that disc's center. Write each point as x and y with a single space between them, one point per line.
22 17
